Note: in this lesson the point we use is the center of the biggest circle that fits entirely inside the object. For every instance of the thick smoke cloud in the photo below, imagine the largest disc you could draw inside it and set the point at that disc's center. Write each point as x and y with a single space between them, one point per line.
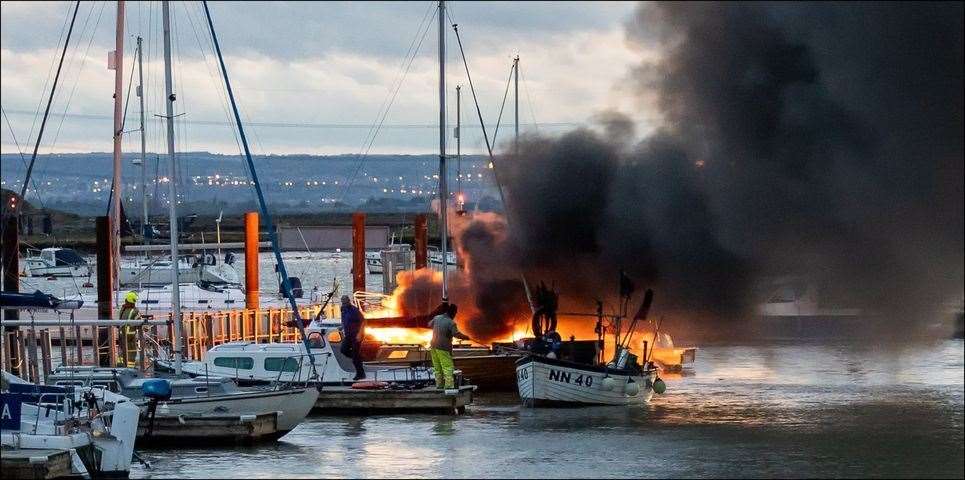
816 139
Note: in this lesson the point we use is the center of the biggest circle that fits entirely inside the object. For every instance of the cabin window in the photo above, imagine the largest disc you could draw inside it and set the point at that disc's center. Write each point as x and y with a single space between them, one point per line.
68 257
201 390
335 336
281 364
112 386
240 363
397 354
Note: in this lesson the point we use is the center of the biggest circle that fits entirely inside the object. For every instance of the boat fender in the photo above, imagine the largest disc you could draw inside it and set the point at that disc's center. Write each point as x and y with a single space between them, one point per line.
369 385
659 386
609 383
631 388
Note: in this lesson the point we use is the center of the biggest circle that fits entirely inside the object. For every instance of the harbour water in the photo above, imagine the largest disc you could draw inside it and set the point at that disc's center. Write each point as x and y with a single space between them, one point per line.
750 410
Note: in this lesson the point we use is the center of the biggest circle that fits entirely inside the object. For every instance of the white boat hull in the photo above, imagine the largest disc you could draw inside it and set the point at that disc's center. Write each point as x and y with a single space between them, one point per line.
292 405
544 382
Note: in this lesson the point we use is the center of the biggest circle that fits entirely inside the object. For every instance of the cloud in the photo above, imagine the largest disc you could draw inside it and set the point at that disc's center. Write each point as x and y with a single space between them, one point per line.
569 68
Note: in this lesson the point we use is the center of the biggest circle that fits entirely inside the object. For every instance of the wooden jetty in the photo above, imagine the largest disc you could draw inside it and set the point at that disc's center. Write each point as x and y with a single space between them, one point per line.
207 430
35 463
339 400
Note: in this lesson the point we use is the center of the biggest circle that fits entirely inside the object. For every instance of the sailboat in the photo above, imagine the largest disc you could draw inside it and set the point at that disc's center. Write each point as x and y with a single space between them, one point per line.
214 397
55 262
99 437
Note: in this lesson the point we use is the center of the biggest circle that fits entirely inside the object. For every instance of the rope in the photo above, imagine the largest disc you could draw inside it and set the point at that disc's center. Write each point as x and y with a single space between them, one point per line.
50 100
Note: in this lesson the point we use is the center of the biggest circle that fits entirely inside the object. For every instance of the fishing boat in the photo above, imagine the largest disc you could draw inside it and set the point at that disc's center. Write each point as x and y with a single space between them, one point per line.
548 382
55 262
98 427
544 380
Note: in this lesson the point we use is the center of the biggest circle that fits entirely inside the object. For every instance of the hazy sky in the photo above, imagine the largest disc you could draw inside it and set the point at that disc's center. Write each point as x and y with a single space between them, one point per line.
312 77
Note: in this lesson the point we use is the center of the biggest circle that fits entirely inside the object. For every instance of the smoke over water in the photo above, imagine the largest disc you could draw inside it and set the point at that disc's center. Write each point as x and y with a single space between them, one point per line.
823 140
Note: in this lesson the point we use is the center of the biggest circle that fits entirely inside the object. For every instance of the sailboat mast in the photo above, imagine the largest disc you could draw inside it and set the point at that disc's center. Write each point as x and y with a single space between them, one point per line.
459 148
516 98
443 190
140 95
118 134
172 189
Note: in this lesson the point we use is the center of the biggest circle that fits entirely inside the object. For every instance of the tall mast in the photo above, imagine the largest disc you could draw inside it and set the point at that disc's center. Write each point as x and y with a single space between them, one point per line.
461 198
516 98
172 190
140 95
443 191
118 133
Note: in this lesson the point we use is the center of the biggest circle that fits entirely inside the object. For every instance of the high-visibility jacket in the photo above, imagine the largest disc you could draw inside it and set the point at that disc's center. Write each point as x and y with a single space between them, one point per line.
129 312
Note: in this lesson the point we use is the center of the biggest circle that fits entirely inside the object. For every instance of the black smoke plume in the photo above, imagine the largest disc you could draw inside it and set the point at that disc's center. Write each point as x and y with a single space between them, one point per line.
822 139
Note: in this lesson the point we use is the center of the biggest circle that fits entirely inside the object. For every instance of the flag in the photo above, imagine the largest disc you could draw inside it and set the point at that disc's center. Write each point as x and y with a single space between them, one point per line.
645 308
626 285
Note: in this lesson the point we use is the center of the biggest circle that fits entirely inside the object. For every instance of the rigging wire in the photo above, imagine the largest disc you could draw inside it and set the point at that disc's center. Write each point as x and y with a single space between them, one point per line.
50 70
492 160
80 69
529 100
22 158
389 100
50 100
499 119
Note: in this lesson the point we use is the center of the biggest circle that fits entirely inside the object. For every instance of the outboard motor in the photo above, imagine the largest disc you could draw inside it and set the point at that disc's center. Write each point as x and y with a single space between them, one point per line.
155 390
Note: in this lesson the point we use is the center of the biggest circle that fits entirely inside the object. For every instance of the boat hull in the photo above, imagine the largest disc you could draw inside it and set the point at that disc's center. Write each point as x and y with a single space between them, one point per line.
547 382
493 373
293 405
77 271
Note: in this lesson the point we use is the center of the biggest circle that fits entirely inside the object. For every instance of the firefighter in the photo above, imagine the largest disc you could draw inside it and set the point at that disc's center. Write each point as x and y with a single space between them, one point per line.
129 312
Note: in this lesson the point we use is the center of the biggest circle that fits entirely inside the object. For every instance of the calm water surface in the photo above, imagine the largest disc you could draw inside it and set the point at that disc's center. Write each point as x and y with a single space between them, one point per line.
812 410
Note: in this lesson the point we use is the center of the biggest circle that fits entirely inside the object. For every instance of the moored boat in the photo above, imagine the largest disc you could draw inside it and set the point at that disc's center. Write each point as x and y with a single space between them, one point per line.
547 382
55 262
100 436
203 395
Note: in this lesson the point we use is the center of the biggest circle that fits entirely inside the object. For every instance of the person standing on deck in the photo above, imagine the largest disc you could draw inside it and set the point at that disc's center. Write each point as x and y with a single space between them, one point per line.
353 330
129 311
444 328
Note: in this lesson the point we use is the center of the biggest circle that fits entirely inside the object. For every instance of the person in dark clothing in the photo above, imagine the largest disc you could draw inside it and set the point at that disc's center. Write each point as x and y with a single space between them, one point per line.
353 330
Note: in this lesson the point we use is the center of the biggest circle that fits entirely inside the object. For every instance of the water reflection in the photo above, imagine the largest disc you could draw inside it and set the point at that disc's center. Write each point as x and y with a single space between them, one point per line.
746 410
